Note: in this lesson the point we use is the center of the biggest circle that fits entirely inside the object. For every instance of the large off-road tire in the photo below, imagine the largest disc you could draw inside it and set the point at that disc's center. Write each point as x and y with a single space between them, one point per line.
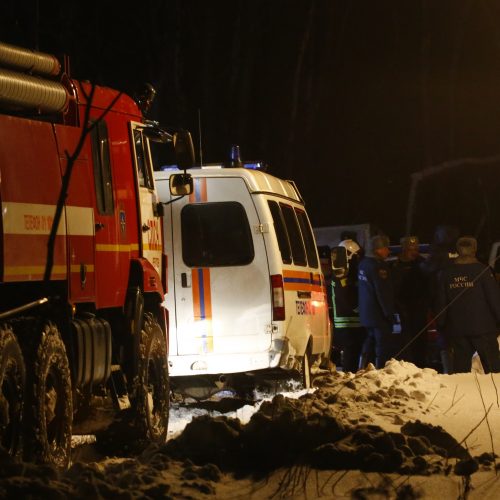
49 408
305 370
12 387
152 392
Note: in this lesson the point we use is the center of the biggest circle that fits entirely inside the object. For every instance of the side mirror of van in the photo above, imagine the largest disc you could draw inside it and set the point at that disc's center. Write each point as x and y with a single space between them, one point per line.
184 150
340 265
181 184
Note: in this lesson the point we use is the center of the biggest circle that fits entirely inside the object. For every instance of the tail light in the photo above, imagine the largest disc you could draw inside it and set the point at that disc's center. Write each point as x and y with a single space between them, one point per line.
278 297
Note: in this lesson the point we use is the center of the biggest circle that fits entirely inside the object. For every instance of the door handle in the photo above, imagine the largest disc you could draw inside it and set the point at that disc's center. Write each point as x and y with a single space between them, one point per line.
145 228
99 226
184 281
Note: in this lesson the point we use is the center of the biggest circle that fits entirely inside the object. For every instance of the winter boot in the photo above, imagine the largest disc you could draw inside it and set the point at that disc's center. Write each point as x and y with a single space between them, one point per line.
446 362
363 361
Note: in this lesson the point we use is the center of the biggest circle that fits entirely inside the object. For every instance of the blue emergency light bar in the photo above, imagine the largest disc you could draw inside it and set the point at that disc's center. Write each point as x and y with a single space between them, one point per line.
234 162
251 165
258 165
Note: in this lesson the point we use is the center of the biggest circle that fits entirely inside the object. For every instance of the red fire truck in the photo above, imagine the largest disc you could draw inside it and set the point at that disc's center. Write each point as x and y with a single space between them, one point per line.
81 261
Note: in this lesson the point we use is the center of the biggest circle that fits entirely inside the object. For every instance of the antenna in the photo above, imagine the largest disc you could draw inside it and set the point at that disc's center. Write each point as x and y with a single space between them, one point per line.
199 133
37 24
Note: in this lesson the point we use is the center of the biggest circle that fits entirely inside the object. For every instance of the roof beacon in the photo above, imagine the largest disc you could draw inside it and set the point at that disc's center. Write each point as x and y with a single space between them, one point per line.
235 161
235 158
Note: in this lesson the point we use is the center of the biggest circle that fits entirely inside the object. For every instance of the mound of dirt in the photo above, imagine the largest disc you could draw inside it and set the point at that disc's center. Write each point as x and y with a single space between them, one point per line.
305 431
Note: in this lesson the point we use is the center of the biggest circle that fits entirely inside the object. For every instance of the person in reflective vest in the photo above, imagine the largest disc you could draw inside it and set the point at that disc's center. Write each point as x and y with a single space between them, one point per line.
349 334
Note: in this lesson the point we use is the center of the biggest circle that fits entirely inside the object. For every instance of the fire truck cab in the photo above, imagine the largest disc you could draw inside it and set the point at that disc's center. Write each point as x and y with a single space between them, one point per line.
81 268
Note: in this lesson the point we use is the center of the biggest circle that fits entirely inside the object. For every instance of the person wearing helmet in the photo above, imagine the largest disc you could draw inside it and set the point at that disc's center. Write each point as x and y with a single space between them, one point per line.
349 334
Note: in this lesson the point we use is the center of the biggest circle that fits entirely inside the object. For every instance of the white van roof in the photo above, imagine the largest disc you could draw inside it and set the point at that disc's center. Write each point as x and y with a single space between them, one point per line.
256 180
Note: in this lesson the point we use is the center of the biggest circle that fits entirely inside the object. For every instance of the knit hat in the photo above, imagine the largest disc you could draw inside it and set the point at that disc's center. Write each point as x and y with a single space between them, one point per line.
409 241
378 241
466 246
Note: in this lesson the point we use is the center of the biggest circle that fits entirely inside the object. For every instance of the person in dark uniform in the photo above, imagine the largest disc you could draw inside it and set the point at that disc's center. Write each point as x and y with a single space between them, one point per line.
376 301
349 333
411 289
469 301
442 253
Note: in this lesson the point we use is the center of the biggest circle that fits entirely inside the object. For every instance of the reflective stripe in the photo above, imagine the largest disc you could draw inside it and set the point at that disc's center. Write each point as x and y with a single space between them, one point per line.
80 221
37 218
76 268
116 248
354 324
302 280
199 191
202 306
28 218
35 272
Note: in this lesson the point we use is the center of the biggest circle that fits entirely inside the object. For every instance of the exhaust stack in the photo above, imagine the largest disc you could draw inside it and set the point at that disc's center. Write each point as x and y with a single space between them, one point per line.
20 90
28 60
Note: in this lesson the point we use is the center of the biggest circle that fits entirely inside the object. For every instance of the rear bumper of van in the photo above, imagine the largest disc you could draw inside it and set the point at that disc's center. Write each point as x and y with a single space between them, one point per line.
215 364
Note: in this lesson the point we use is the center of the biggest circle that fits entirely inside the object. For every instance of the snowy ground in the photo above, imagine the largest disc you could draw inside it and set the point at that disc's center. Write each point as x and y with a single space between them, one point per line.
400 432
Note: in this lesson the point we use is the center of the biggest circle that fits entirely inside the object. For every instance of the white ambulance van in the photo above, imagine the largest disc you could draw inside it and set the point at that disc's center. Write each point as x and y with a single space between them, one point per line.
245 290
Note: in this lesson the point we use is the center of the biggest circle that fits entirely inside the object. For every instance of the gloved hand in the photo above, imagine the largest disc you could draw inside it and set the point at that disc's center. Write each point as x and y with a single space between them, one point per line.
396 324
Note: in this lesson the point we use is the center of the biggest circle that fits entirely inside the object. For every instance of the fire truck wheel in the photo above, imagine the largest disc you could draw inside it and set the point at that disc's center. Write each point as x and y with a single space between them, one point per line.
12 387
305 371
49 410
153 388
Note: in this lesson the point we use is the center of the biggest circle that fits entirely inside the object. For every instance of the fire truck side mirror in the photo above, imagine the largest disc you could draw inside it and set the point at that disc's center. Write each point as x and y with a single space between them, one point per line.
156 134
181 184
184 150
340 265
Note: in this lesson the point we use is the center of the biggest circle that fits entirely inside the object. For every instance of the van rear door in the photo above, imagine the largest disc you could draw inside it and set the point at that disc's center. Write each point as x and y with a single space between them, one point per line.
221 274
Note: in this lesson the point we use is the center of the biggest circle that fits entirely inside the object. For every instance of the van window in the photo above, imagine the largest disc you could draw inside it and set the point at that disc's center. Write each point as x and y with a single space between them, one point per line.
281 234
102 168
312 256
216 234
294 236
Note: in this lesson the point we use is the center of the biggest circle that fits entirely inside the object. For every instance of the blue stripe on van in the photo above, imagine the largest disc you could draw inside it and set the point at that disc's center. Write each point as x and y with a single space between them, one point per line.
197 192
297 280
202 293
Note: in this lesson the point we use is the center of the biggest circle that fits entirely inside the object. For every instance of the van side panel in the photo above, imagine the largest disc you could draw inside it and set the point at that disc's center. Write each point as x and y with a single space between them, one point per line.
306 322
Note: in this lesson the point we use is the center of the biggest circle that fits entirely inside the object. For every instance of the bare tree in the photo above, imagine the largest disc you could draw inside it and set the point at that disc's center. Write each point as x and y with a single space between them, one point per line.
433 170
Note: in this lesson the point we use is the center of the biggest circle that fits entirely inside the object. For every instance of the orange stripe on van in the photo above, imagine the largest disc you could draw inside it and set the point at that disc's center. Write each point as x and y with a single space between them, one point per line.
296 274
202 306
199 191
196 295
302 280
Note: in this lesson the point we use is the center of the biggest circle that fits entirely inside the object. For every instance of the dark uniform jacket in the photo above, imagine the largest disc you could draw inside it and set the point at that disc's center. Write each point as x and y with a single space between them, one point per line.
376 293
472 295
345 303
410 282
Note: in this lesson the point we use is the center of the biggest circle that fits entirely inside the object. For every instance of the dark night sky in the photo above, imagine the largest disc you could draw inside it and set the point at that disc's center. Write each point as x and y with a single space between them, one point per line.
347 98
